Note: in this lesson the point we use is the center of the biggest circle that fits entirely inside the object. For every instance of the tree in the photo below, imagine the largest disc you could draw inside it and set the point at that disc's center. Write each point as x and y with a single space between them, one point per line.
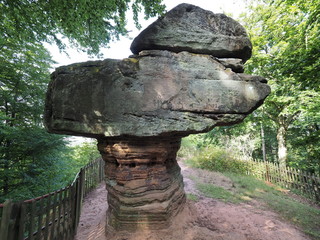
88 24
241 140
33 162
28 154
286 43
285 36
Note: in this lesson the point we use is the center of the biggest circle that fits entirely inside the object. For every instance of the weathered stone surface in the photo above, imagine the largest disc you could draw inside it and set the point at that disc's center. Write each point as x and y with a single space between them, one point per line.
155 93
139 108
145 187
193 29
252 78
235 64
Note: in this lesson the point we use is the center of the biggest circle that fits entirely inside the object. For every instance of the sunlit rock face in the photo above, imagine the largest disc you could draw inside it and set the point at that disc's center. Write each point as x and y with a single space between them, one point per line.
153 94
193 29
140 107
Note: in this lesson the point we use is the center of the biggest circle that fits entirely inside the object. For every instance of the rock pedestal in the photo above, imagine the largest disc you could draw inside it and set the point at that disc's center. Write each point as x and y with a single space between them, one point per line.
145 187
186 77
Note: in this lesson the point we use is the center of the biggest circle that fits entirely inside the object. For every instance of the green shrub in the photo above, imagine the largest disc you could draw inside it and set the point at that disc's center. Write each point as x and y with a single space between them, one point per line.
82 154
188 147
218 159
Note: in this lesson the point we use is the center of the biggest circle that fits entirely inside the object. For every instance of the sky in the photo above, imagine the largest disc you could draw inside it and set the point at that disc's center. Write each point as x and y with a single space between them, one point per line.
121 48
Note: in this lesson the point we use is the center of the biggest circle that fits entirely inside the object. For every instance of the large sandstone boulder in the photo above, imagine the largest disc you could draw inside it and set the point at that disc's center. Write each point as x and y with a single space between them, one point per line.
193 29
153 94
186 77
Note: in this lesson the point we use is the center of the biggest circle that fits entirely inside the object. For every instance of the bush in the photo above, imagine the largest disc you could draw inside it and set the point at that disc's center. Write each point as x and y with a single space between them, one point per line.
218 159
82 154
188 147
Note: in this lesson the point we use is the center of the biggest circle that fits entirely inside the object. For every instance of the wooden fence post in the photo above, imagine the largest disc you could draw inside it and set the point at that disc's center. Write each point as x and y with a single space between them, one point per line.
55 216
79 195
11 224
267 172
22 221
5 220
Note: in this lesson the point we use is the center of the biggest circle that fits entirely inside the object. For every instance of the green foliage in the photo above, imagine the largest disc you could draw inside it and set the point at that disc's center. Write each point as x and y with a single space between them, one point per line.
285 37
32 162
217 159
285 52
89 25
241 140
285 32
82 154
189 145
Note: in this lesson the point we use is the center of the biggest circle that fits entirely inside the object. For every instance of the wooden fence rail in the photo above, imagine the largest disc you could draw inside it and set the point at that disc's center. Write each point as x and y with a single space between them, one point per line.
287 177
54 216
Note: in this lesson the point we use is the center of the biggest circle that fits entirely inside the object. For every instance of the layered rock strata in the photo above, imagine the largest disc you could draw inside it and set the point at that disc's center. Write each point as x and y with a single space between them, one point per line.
145 187
156 93
186 77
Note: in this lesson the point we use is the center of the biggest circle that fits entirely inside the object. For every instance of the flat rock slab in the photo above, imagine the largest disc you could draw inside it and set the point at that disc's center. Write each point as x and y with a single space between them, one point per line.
193 29
154 94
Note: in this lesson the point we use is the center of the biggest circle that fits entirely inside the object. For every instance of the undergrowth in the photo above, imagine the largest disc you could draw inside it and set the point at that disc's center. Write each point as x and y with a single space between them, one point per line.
217 159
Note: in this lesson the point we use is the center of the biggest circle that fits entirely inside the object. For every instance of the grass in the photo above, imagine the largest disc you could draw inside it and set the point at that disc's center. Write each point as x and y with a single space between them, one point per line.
247 188
216 192
192 197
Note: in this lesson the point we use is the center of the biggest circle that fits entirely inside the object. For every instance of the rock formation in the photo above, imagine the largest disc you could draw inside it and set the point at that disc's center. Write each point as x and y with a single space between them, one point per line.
186 77
193 29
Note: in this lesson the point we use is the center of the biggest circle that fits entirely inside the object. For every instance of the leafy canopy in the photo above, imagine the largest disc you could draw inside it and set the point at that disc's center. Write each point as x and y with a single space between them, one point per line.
285 37
88 24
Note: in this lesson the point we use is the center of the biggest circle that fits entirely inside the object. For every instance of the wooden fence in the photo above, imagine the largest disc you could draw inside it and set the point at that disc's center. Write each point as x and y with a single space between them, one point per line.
287 177
54 216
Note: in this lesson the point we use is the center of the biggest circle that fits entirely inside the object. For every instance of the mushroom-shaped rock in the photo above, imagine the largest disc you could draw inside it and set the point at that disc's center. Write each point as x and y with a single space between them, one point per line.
139 108
190 28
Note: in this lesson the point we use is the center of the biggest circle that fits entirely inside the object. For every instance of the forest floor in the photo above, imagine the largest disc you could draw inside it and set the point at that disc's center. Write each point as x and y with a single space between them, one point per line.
203 218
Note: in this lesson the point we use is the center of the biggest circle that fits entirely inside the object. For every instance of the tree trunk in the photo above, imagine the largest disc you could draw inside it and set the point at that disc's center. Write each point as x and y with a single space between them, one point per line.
282 145
5 187
264 156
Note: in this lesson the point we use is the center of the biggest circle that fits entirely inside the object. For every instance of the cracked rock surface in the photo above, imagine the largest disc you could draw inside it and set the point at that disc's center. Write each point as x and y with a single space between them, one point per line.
190 28
152 94
186 77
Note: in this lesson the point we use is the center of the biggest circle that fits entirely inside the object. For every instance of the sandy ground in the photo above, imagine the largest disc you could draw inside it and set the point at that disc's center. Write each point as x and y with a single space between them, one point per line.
205 219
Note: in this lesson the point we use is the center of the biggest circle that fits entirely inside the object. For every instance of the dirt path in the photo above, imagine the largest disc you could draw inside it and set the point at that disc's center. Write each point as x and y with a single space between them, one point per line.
205 219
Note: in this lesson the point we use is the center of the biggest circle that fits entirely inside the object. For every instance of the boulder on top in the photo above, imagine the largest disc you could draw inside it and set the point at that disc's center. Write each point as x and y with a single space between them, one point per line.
193 29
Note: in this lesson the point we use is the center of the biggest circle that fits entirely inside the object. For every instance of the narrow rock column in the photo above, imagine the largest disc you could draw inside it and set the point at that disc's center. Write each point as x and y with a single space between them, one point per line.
145 187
